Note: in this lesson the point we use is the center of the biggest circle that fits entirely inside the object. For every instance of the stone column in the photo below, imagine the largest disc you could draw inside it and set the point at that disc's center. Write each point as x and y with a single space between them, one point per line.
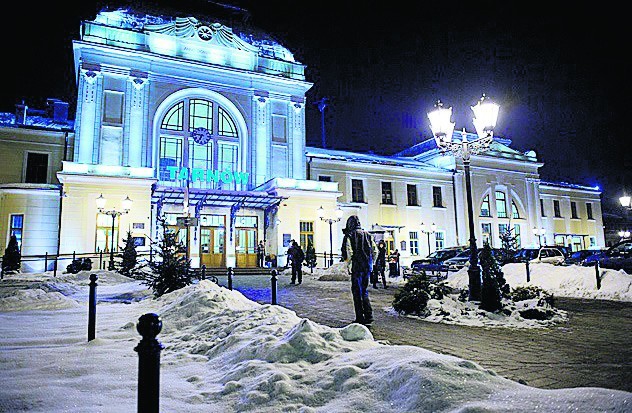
297 139
261 137
136 111
89 96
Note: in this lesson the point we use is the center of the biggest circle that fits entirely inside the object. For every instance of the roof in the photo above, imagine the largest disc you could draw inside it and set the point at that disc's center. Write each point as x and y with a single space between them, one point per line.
371 158
216 198
571 186
35 122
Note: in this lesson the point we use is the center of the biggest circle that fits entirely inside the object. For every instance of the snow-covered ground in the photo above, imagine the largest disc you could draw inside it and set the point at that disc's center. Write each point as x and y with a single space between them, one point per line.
563 281
225 353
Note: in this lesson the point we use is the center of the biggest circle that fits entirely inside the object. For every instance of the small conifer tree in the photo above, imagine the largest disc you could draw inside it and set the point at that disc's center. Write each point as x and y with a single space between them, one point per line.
128 256
12 259
509 245
493 281
414 295
170 271
310 255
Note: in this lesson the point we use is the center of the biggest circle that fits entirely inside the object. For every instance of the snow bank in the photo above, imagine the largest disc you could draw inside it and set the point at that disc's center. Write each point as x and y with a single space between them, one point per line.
35 299
563 281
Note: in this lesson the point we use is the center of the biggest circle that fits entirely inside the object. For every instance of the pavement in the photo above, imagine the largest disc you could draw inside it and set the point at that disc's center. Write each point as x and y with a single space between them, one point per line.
591 349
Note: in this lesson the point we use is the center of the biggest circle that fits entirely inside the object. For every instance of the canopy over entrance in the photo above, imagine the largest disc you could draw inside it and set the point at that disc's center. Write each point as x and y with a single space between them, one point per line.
215 198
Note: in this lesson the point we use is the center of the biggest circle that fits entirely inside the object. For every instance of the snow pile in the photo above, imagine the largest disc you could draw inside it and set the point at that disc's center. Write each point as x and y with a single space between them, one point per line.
339 271
224 352
35 299
563 281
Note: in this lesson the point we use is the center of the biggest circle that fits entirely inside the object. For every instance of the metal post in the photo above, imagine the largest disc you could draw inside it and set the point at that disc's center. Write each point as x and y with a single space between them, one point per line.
111 264
528 271
474 271
230 278
597 275
273 284
428 235
331 244
203 272
101 259
55 265
92 307
148 326
74 255
46 261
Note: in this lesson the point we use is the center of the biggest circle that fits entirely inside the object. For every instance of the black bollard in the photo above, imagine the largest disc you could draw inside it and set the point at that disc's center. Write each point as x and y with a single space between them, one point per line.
74 255
55 265
46 261
273 285
203 272
230 278
528 271
148 326
101 259
92 307
597 275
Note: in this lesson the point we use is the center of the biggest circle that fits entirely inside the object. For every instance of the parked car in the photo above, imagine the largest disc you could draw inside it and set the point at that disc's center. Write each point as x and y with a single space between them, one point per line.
617 257
549 255
434 261
525 254
462 259
578 257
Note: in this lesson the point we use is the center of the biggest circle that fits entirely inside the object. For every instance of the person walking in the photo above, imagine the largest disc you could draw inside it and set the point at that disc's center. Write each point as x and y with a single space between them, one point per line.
359 250
261 251
297 263
380 264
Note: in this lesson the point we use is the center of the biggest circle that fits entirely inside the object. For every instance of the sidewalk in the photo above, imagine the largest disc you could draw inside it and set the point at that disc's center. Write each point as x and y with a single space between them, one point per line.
592 349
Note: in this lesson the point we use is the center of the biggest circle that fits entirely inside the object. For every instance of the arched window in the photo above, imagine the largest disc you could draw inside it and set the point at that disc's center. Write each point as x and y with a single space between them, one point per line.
198 133
485 207
501 204
514 210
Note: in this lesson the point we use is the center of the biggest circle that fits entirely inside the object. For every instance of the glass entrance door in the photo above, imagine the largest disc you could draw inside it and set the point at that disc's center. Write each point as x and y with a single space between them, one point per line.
246 247
213 241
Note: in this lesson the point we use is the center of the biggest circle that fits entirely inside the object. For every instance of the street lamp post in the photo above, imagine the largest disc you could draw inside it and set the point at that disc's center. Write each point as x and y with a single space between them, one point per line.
127 205
428 231
485 116
624 235
540 233
626 202
321 214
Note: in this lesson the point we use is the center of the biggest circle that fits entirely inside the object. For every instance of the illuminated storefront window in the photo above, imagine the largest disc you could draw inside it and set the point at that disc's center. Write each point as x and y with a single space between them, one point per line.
17 226
104 233
306 232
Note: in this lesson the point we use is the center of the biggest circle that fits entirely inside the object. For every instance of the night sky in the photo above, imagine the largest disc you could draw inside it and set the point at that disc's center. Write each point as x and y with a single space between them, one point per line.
559 74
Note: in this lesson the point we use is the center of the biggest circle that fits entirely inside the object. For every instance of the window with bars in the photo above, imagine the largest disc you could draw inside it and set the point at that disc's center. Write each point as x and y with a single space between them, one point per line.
387 193
439 240
501 204
485 207
414 243
411 191
306 233
357 190
556 209
437 198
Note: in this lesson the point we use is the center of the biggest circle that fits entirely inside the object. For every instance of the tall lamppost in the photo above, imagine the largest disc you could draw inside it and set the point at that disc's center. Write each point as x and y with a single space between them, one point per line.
338 216
540 233
485 116
428 230
127 205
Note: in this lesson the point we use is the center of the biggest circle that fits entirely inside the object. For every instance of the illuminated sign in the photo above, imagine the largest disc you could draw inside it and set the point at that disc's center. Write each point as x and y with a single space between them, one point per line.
198 174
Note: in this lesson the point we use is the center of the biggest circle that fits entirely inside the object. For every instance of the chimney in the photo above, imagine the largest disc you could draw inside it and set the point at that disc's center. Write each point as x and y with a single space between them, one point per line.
20 113
57 110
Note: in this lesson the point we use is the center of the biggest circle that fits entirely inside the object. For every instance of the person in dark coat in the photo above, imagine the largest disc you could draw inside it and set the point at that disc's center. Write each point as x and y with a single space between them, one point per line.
261 251
360 251
380 265
297 263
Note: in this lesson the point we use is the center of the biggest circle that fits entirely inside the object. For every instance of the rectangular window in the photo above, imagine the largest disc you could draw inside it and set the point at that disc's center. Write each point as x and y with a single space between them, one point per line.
306 231
324 178
414 243
387 193
279 128
170 155
485 207
113 107
589 213
517 235
104 238
501 204
16 228
593 241
411 191
560 240
437 199
574 210
486 230
542 208
439 240
556 209
36 168
227 159
357 191
502 229
514 211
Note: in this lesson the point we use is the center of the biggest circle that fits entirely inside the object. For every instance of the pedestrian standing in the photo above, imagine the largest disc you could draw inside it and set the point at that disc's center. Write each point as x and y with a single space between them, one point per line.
261 252
392 264
380 264
359 251
297 263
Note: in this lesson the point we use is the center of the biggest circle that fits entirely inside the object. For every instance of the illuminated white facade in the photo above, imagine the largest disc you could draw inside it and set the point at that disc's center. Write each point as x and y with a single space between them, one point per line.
189 119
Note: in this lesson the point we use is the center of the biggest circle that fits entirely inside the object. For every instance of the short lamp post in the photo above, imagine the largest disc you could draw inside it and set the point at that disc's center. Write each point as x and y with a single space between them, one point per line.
127 205
485 116
338 216
540 233
624 235
626 202
428 230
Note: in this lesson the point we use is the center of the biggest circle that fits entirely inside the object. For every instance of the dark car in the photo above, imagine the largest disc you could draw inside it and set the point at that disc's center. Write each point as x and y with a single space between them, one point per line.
525 254
462 259
617 257
578 257
434 261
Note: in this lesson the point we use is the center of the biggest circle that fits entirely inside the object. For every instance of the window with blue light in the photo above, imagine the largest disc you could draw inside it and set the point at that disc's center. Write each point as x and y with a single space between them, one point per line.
485 207
17 228
414 243
501 204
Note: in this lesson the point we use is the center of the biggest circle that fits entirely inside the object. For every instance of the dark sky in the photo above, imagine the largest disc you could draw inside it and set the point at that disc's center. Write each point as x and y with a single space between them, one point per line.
560 74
